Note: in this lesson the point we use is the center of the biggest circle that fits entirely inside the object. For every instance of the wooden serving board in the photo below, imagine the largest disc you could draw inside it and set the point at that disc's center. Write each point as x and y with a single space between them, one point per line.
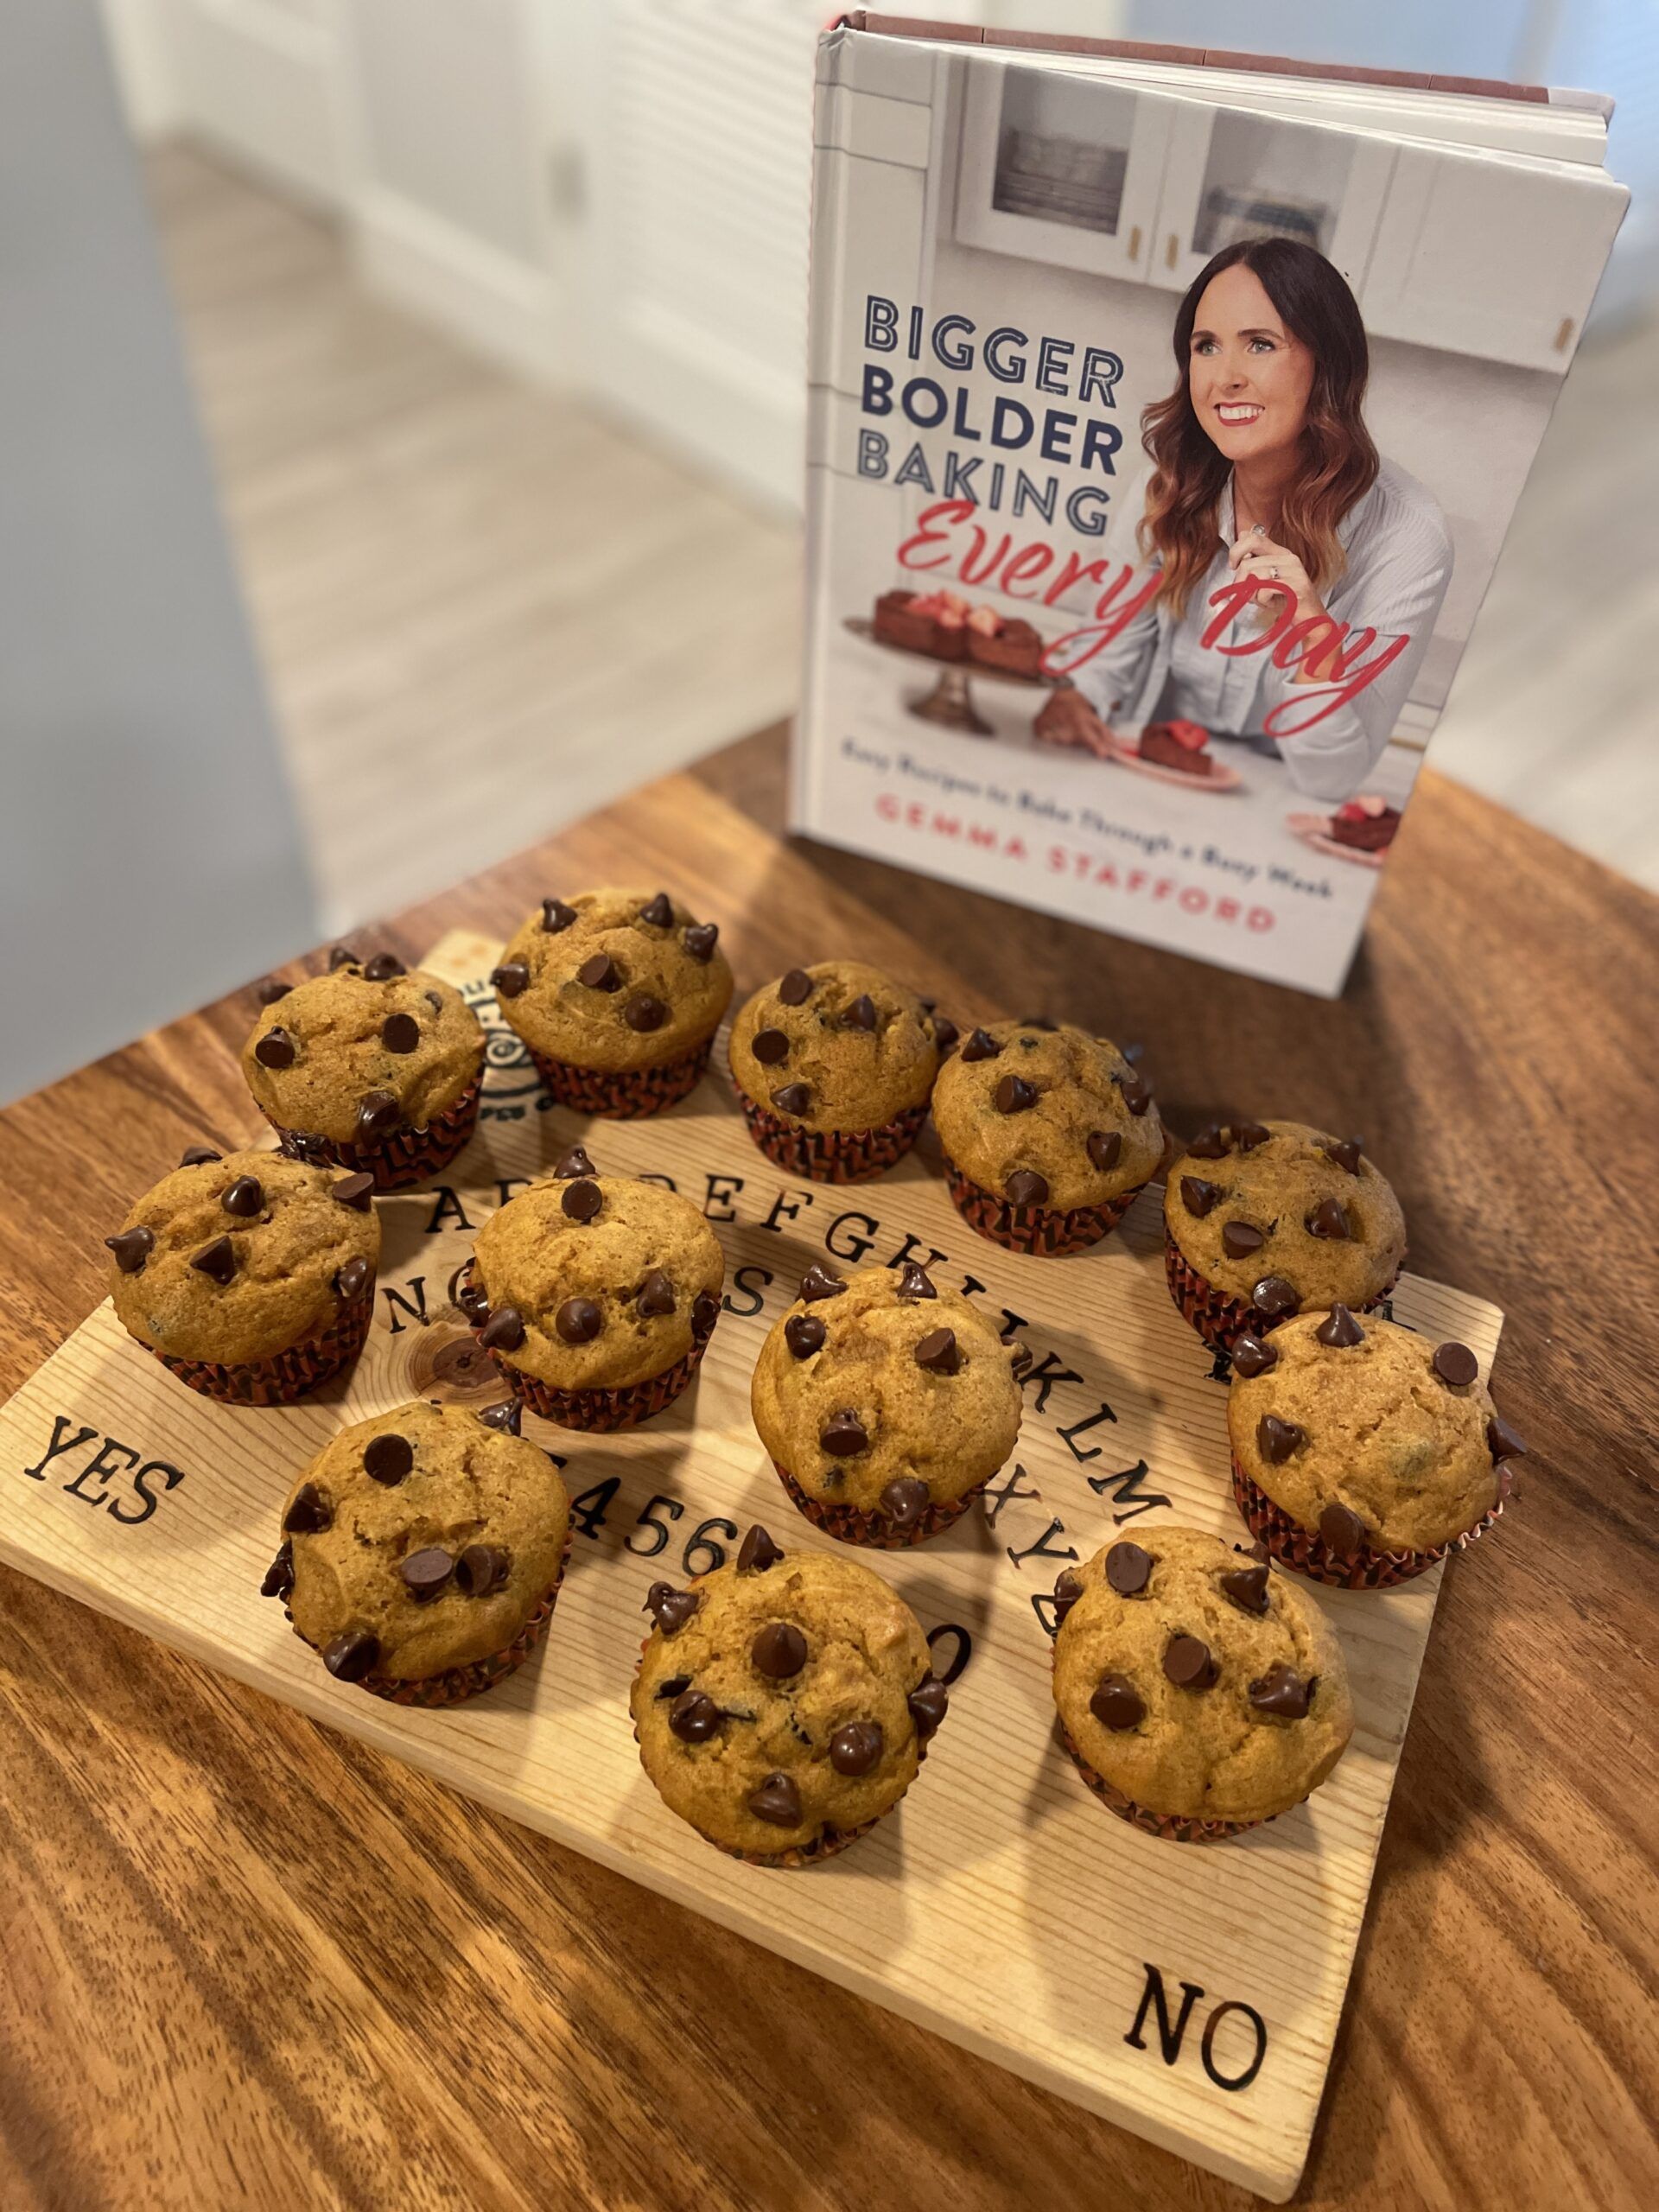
1191 1993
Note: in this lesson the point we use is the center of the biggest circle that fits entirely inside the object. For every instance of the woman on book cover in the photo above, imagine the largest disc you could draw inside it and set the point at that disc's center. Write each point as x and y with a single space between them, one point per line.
1262 467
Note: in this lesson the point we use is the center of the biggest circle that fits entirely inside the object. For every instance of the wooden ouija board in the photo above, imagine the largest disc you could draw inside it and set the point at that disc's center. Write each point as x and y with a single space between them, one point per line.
1191 1993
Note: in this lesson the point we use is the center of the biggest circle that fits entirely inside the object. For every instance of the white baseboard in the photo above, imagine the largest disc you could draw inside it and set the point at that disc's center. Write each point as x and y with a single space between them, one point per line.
490 301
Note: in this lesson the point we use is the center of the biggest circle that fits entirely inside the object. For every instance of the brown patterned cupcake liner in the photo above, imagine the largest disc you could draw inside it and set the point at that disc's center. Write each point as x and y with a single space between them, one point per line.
284 1376
1305 1552
400 1161
1038 1231
833 1155
621 1094
1220 1320
1173 1827
852 1524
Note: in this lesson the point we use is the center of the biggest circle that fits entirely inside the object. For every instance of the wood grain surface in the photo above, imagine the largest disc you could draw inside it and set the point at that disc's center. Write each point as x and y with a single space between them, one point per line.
248 1961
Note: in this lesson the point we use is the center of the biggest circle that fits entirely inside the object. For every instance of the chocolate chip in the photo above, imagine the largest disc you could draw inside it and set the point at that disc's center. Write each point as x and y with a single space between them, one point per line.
556 916
578 1320
1502 1441
673 1687
981 1045
856 1748
1252 1356
341 957
1104 1147
1068 1588
1128 1568
694 1717
1210 1144
1342 1529
1240 1238
1198 1196
131 1248
1026 1188
1190 1664
905 1500
644 1014
792 1099
1275 1297
945 1033
1339 1329
1247 1135
505 1416
671 1608
574 1162
804 1334
770 1046
503 1331
199 1155
271 990
656 1295
1455 1365
377 1114
245 1198
1246 1586
385 967
308 1512
776 1801
1329 1218
1014 1094
482 1568
861 1014
818 1282
400 1032
216 1260
279 1575
581 1199
844 1434
700 940
1137 1095
600 973
426 1573
353 1280
511 979
354 1191
758 1553
388 1458
1276 1439
1282 1692
915 1281
927 1704
274 1049
779 1652
938 1352
705 1312
1116 1703
1345 1153
659 912
796 987
352 1655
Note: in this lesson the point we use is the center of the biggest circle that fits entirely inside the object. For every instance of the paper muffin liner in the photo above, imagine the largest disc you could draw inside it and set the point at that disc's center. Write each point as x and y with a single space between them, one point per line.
284 1376
851 1524
1219 1319
1040 1230
833 1155
1173 1827
621 1094
600 1412
1305 1552
401 1160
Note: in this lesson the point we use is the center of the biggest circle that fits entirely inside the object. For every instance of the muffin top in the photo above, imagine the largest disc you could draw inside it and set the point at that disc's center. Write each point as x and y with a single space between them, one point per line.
1197 1681
784 1699
366 1049
1046 1116
613 980
236 1257
1366 1431
592 1283
422 1540
882 1392
837 1046
1282 1217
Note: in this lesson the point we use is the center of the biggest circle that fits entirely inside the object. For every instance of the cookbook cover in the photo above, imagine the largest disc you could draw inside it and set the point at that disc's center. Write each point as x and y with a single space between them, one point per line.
1159 454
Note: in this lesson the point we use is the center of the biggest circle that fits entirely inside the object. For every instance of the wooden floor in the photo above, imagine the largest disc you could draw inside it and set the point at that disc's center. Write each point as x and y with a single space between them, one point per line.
485 610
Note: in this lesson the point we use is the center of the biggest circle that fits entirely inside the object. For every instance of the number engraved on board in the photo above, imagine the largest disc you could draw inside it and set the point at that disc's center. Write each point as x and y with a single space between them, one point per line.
963 1653
1233 2068
700 1546
648 1519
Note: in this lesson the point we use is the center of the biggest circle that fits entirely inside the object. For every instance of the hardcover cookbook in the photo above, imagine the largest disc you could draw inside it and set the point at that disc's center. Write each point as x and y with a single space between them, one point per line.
1166 418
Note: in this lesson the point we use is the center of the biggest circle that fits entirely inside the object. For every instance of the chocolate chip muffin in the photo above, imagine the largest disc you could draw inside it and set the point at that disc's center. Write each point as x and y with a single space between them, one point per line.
616 995
370 1066
886 1404
1362 1452
421 1553
249 1275
1263 1220
1048 1134
1199 1693
784 1702
595 1295
833 1067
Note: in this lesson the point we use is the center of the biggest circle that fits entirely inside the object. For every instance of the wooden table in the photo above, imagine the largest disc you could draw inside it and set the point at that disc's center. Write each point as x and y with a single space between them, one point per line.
249 1961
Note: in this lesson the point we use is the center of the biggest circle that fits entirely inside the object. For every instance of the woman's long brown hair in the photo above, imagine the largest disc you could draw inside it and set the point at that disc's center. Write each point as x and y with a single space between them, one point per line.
1182 499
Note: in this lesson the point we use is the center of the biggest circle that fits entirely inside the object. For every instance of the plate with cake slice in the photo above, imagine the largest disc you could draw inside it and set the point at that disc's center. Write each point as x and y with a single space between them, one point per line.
1361 830
1177 753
